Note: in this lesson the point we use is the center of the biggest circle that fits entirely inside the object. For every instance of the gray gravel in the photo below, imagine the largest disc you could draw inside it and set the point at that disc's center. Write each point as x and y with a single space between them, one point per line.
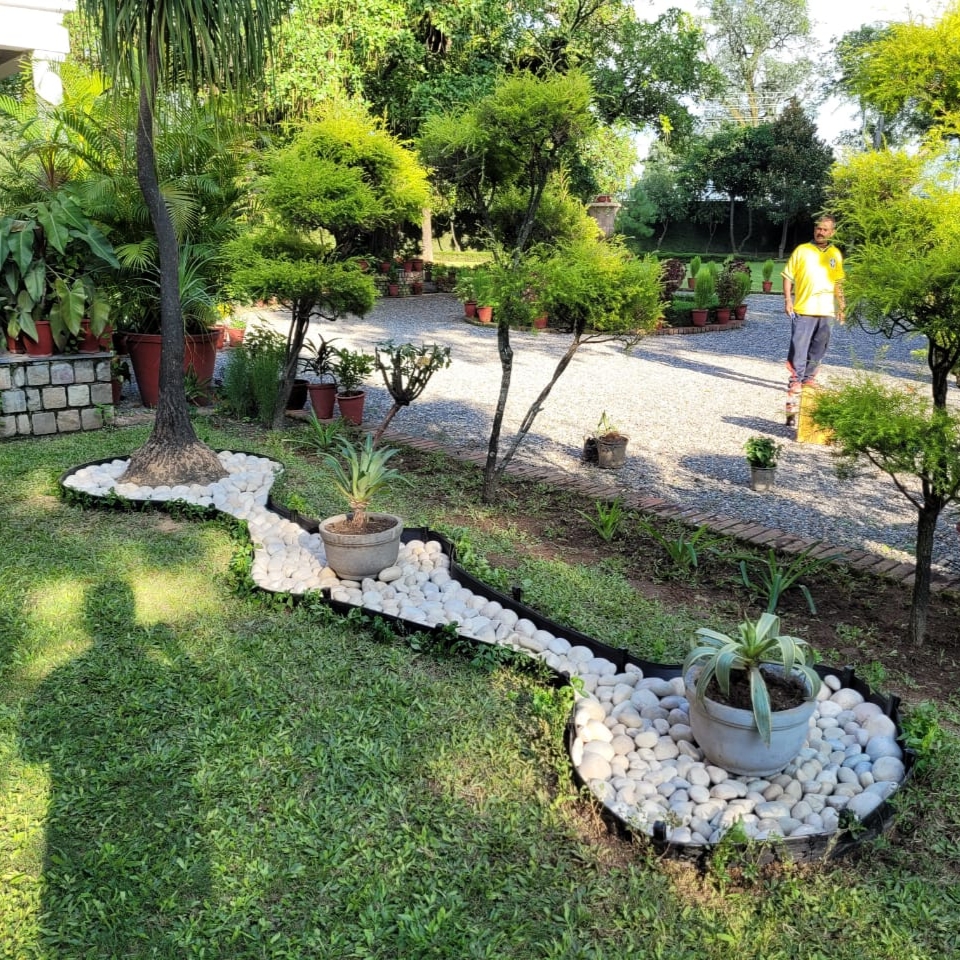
688 404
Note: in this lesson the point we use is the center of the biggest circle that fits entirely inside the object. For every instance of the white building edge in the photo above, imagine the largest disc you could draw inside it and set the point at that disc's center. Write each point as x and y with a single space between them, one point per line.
34 29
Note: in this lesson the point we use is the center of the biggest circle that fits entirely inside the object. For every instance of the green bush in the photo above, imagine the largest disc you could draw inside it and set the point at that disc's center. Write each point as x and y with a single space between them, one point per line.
252 374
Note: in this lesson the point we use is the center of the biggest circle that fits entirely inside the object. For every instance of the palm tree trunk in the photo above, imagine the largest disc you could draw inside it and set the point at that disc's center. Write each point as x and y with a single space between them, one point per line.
172 454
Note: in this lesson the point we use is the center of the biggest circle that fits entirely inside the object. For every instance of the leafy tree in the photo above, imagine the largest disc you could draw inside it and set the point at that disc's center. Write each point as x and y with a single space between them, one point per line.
186 47
659 196
876 126
753 44
900 214
326 197
917 446
795 178
512 143
914 69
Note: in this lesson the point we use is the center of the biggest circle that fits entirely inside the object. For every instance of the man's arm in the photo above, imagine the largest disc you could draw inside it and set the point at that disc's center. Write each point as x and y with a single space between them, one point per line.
788 296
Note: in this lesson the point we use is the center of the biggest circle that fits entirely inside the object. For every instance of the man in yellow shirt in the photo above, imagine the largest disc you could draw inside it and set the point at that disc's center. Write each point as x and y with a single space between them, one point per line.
812 297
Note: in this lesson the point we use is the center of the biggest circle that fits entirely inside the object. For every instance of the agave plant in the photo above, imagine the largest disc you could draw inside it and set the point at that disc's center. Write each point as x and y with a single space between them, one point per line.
757 645
362 475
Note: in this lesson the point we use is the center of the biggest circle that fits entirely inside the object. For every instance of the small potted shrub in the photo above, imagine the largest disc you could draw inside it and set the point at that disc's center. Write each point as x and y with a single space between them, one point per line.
766 272
319 359
607 447
361 544
695 264
484 292
351 368
744 284
762 456
750 696
704 296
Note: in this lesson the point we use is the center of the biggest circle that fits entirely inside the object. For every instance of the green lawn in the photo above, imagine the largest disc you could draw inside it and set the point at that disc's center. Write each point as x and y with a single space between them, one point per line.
189 771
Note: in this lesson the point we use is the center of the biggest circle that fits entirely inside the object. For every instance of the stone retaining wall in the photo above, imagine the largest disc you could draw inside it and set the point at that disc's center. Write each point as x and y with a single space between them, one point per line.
59 394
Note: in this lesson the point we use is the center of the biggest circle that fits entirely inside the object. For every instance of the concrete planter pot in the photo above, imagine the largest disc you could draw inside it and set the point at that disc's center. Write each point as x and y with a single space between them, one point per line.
729 738
353 556
763 479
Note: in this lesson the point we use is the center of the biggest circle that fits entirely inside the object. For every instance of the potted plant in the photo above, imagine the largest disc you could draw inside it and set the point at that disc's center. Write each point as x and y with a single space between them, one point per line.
119 375
750 696
607 447
360 544
319 359
484 292
762 455
52 261
463 288
744 284
351 368
695 264
766 272
704 296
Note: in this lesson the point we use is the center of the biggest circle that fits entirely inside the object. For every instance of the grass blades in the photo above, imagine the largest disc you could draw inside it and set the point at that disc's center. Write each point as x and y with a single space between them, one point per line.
187 772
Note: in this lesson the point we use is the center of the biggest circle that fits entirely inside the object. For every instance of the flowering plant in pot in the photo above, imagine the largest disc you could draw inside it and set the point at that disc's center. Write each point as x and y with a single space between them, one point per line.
360 543
750 696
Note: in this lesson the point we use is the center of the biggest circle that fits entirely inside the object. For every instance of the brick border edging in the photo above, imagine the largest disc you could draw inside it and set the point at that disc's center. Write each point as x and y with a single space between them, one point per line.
755 534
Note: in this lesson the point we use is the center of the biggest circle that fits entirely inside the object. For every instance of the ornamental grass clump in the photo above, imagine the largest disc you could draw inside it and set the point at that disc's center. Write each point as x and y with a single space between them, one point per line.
761 655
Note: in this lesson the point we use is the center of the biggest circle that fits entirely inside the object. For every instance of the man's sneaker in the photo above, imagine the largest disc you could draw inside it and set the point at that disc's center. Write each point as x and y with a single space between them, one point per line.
791 419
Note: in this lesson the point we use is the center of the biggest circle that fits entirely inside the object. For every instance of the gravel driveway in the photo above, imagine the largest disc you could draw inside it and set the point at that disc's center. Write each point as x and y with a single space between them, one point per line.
687 402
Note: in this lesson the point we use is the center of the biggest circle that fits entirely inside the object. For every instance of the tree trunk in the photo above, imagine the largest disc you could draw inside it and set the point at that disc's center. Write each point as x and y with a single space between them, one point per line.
733 242
537 405
300 312
172 454
783 238
926 526
427 235
490 476
663 233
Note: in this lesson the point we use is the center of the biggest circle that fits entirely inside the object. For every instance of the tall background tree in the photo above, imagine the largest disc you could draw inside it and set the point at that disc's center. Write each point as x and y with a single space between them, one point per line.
183 48
758 47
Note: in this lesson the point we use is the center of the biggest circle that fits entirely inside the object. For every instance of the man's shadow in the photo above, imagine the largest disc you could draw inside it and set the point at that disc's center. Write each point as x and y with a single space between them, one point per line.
125 866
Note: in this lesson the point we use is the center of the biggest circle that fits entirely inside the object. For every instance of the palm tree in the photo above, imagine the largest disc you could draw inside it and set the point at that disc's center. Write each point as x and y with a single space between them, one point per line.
192 45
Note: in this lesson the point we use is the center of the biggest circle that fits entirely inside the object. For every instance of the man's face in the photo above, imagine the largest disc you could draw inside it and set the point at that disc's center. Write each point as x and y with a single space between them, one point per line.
822 232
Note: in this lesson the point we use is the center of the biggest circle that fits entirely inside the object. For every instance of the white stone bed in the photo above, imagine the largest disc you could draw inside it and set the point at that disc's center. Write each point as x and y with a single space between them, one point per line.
632 744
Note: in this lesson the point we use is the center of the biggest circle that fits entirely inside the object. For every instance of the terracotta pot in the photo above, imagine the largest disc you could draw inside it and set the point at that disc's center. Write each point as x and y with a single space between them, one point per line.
470 308
766 285
740 312
235 335
322 399
699 317
540 323
723 315
88 342
222 337
416 288
14 344
417 264
691 283
200 352
393 289
351 408
43 345
484 314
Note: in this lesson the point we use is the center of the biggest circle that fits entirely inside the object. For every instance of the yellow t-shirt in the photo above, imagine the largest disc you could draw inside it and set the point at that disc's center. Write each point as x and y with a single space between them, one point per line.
814 274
